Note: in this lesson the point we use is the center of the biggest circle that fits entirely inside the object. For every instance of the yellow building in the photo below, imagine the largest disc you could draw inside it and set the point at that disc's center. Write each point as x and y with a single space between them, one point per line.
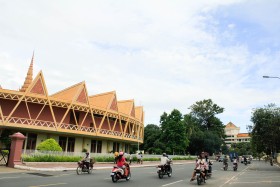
233 135
99 123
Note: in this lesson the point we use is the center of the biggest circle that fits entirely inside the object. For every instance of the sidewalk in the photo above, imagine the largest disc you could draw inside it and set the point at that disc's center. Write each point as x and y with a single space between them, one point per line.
66 166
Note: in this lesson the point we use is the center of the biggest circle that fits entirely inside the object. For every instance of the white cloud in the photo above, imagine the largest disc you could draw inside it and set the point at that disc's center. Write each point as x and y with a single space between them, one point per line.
164 54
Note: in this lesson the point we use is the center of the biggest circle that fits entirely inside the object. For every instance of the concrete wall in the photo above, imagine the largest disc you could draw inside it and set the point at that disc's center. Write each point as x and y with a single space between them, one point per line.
78 144
87 144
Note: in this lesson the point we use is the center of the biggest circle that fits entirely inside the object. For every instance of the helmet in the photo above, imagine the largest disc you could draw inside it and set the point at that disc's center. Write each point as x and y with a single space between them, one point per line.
121 153
163 154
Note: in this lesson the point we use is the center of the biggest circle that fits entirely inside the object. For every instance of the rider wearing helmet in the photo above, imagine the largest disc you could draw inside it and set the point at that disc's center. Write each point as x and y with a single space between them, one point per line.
86 159
121 162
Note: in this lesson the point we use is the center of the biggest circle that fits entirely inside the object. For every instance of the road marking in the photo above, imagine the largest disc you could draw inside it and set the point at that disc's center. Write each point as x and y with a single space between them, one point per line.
172 183
9 177
49 184
255 182
233 177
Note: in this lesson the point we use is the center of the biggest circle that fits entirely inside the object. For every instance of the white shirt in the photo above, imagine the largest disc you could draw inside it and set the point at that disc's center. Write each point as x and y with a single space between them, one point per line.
87 158
163 160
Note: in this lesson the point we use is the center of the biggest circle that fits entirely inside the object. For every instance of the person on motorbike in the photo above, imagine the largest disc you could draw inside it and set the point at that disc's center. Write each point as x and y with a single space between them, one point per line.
121 162
235 161
86 160
199 165
225 160
245 160
164 160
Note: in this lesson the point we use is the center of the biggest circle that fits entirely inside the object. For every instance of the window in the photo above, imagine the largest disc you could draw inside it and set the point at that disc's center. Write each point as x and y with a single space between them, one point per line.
62 142
116 147
71 144
96 146
31 141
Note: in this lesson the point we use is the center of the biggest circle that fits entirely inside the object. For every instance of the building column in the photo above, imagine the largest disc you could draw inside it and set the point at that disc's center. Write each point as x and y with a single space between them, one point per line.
16 149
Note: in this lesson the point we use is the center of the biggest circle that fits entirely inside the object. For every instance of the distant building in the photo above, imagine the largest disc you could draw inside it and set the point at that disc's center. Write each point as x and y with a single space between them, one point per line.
233 135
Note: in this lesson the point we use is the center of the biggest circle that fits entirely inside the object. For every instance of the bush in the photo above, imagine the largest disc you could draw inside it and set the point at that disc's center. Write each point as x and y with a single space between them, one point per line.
49 145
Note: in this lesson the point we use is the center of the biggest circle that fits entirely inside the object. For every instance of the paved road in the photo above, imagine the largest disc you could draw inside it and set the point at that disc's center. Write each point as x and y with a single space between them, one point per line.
257 174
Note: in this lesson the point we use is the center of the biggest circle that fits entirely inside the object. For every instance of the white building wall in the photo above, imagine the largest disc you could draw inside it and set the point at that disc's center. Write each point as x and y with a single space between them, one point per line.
78 144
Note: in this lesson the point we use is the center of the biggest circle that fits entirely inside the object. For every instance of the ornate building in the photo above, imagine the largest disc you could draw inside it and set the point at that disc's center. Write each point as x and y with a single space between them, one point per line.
99 123
233 135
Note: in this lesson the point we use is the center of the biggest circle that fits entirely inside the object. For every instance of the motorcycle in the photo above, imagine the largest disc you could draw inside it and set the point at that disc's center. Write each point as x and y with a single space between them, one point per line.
234 166
199 176
82 167
209 171
164 170
271 162
245 162
225 166
118 173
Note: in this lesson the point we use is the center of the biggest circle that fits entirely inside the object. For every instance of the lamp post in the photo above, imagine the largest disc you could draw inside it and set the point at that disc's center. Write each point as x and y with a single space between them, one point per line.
265 76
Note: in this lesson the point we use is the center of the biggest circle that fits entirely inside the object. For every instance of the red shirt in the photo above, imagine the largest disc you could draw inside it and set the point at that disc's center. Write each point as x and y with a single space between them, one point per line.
120 162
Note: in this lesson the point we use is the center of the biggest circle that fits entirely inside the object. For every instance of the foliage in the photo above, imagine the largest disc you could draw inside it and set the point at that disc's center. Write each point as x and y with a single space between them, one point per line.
204 129
49 145
5 139
242 148
266 129
152 135
205 111
173 133
60 158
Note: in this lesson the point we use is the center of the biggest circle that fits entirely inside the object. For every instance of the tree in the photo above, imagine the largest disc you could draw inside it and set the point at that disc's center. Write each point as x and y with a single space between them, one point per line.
174 134
49 145
205 111
152 134
205 130
266 129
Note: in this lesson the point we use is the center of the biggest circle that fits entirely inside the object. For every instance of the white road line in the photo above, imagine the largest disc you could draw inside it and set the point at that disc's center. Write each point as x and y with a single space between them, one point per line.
255 182
56 184
9 177
233 177
172 183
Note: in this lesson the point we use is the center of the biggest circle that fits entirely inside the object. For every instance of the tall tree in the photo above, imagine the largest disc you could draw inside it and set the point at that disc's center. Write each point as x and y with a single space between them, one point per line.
206 130
266 129
173 132
205 111
152 143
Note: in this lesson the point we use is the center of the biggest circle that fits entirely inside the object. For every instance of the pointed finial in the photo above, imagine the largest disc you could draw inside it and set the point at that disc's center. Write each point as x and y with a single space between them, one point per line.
28 78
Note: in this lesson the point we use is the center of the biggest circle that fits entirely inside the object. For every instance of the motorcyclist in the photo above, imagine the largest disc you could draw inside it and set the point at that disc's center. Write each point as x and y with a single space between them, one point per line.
199 165
164 160
225 161
121 163
245 160
235 161
86 160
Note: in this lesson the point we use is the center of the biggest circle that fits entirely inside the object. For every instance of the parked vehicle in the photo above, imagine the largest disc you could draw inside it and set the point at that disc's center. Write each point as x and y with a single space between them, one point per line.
82 167
164 170
118 173
199 176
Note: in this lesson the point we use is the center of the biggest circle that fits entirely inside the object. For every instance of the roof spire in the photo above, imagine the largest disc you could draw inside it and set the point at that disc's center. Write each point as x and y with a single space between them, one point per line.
28 78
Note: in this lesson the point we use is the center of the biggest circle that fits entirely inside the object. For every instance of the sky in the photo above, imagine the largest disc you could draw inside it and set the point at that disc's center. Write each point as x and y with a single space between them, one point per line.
163 54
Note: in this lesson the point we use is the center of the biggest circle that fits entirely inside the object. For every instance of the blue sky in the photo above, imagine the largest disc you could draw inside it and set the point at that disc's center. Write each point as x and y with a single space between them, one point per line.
163 54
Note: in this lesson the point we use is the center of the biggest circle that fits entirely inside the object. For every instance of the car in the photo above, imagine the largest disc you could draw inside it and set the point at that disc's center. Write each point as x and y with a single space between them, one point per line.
221 159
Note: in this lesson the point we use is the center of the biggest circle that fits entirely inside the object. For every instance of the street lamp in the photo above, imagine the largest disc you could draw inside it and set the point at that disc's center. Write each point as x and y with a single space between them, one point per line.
265 76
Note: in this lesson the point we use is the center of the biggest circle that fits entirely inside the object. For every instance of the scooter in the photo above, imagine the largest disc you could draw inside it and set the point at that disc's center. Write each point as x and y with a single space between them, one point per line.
209 171
225 166
83 168
118 173
164 170
234 166
199 176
